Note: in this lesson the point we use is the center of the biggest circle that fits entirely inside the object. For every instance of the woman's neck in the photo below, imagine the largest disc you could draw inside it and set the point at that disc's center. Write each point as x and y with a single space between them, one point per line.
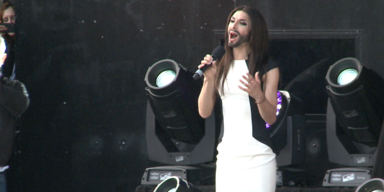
241 52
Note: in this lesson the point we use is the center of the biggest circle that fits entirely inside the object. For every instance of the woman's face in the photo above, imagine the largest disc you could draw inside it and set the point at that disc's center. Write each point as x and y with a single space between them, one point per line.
9 16
239 28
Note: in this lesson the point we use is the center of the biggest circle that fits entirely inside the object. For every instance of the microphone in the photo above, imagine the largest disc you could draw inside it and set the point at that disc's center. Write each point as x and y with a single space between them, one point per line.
217 53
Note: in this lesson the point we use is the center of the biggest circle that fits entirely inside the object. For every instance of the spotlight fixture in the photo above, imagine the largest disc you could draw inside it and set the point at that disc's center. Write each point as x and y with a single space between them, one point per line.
175 132
175 184
355 95
372 185
355 114
173 98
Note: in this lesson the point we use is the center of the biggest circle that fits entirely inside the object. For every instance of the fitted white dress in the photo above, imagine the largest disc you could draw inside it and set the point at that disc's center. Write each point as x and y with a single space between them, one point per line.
244 164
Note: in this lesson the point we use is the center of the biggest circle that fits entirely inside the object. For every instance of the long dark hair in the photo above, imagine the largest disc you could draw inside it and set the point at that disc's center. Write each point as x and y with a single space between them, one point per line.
259 41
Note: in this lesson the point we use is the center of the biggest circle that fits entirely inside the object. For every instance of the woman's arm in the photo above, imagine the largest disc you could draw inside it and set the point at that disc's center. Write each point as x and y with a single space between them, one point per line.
268 105
207 97
266 100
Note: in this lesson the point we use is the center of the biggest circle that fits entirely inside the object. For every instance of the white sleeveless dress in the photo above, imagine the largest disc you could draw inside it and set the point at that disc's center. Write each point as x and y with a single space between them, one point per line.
243 163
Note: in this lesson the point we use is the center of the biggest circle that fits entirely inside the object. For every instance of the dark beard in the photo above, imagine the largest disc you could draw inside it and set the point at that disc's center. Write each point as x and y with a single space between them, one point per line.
241 40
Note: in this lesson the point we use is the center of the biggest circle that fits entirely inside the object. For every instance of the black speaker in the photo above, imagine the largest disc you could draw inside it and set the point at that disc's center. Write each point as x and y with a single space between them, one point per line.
287 133
294 151
378 166
316 153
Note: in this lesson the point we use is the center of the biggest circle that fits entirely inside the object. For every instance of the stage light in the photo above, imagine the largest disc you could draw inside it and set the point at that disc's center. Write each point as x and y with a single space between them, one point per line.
173 99
175 132
175 184
372 185
355 114
357 101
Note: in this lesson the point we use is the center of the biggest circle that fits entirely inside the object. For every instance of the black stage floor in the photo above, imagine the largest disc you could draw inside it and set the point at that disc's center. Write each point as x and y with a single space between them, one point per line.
210 188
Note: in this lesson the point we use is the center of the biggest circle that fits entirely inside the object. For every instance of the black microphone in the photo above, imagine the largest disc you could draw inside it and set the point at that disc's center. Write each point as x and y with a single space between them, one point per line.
217 53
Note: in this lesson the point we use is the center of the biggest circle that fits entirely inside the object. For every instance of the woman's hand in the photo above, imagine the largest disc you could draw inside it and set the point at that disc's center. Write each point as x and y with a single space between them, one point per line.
252 85
3 28
210 73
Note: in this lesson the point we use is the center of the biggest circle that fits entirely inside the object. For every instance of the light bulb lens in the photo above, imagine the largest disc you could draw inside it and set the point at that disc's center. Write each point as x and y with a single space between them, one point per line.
165 78
347 76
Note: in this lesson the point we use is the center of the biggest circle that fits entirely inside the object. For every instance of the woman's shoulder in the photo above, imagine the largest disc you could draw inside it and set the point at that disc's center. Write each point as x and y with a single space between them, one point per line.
271 64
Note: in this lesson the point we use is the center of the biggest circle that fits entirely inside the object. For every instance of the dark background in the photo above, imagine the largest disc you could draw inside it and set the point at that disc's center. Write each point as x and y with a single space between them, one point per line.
84 61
